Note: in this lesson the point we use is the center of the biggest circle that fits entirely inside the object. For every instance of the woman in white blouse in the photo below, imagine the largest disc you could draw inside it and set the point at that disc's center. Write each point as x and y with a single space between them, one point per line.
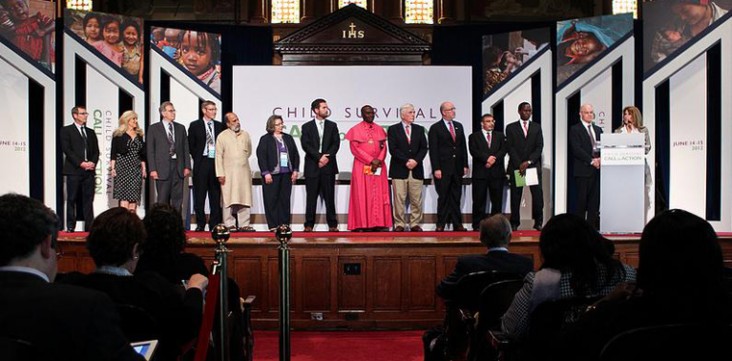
633 123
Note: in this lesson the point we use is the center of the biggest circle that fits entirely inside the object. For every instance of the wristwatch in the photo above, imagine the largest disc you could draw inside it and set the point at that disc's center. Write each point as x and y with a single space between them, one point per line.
528 161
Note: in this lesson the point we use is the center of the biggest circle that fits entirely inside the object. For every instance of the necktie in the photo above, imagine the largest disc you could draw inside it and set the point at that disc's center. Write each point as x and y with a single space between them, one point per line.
209 134
409 136
592 139
526 128
83 135
171 140
452 130
488 137
320 134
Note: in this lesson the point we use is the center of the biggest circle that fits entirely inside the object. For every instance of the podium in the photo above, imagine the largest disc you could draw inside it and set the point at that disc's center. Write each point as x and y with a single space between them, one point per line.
622 183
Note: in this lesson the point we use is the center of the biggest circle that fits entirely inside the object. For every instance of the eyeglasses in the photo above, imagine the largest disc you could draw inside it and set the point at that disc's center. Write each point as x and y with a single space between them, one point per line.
210 109
83 113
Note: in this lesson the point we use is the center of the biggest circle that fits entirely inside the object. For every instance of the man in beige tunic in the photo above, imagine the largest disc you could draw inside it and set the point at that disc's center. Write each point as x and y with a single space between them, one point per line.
233 149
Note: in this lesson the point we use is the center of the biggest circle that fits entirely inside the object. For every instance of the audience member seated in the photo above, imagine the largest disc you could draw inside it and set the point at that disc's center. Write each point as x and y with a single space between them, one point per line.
115 241
680 281
453 337
164 248
61 322
495 234
576 262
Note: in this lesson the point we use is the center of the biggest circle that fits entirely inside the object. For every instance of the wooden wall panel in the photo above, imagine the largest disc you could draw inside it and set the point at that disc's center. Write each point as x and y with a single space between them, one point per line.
315 284
248 272
420 286
387 283
351 287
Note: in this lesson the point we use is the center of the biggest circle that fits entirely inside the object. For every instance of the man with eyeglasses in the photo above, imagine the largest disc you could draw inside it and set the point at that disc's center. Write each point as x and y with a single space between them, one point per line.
202 134
584 142
61 322
81 150
167 157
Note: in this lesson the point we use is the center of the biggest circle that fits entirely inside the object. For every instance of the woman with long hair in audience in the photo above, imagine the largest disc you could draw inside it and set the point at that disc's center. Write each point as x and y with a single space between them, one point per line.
576 262
127 161
116 240
164 249
680 281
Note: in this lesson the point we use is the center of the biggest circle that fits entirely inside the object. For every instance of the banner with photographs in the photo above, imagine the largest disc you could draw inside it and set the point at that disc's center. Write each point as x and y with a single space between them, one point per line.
117 38
504 54
581 41
670 24
197 52
30 26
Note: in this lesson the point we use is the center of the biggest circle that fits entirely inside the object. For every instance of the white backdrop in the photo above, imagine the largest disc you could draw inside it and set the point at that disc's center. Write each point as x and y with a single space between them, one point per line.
260 91
14 138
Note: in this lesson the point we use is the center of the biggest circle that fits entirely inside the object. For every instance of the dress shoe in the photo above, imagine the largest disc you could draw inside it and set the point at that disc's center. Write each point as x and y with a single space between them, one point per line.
308 229
247 229
537 226
398 229
232 229
333 229
416 229
514 227
440 229
459 229
70 230
200 229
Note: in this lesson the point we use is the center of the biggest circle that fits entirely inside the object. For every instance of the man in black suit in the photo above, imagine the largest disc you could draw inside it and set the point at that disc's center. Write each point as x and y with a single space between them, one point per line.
584 138
80 146
525 144
320 141
202 134
408 147
167 156
449 158
62 322
488 148
495 234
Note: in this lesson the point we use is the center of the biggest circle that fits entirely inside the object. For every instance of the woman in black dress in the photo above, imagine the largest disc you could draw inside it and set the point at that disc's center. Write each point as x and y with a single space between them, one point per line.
128 161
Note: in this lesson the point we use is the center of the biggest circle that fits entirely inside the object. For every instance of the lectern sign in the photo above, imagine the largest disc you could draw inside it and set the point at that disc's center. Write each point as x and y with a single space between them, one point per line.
622 156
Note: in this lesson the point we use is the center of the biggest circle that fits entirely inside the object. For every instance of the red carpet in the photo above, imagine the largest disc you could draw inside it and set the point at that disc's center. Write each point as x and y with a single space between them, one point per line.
342 345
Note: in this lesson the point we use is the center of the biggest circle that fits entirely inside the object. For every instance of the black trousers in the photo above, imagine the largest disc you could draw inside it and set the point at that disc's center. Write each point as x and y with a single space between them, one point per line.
449 191
80 185
323 186
277 200
206 183
482 188
537 204
171 190
588 198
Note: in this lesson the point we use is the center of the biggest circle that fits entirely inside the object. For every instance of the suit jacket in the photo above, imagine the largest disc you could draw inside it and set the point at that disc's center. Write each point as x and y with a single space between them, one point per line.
522 148
500 261
157 149
402 150
447 155
268 157
72 144
63 322
580 144
478 145
197 137
310 141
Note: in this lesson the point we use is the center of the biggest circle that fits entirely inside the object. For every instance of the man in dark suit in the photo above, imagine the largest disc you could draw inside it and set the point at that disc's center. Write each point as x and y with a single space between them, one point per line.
80 146
488 148
61 322
525 144
495 234
167 157
584 138
408 147
449 158
320 142
202 134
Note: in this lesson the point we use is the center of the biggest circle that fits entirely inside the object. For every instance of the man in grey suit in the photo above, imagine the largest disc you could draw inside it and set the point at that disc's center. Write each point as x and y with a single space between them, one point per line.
167 156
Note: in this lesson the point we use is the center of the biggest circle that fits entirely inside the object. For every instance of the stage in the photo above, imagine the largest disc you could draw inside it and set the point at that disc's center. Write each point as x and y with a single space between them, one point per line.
351 280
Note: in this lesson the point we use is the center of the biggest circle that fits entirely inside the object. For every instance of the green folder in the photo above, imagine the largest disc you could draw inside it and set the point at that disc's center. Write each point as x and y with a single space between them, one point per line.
519 179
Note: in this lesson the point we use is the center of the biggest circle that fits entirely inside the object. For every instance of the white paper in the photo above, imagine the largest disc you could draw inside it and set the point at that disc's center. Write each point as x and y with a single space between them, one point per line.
532 177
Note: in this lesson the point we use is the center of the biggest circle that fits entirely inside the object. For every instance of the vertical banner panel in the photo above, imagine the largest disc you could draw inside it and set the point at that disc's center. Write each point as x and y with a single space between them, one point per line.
688 133
597 92
14 137
102 103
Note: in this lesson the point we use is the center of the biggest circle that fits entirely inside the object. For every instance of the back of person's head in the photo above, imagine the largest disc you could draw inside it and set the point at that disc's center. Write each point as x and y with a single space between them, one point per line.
24 223
113 236
166 236
569 244
679 255
495 231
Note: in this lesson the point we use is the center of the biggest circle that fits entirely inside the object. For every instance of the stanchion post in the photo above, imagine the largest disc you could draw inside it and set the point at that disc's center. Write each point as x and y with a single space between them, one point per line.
283 234
220 234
